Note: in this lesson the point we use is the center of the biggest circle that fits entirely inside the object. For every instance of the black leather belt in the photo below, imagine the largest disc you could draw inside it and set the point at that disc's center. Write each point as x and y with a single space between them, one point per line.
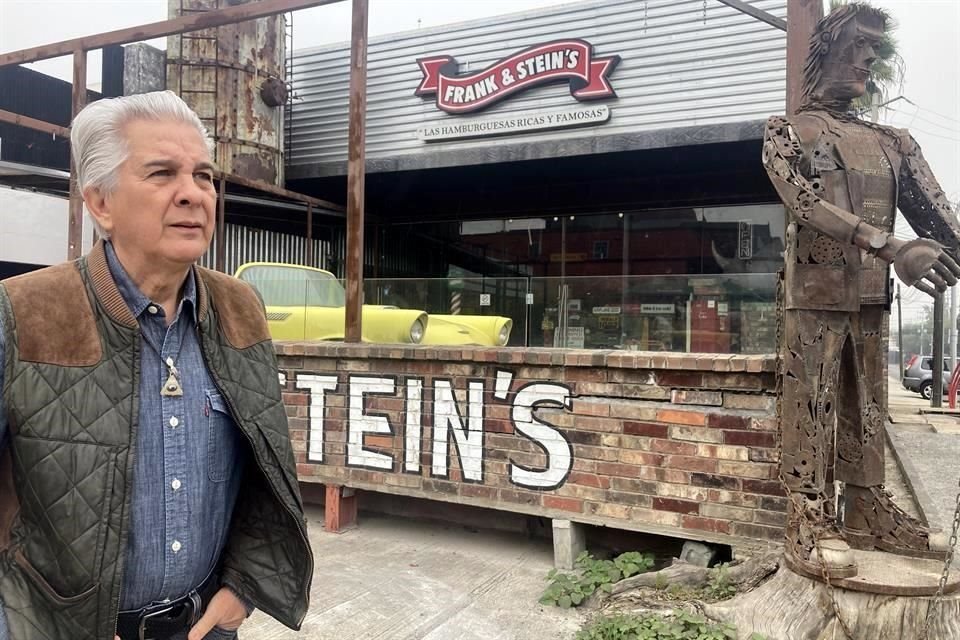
166 619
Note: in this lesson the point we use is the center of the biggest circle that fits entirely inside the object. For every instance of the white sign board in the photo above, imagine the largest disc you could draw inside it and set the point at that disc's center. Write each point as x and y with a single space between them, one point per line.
656 308
606 311
575 338
484 299
514 123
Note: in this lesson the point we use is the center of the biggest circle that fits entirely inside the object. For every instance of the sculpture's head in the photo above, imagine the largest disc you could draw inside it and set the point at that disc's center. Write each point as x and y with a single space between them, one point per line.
842 50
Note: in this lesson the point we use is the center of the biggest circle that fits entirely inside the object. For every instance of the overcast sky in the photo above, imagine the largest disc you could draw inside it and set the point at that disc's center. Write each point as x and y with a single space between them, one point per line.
929 35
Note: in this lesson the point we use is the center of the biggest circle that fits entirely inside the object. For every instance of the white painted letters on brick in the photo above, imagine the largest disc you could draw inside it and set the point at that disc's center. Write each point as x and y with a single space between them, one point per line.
448 424
317 386
469 439
414 425
360 423
558 450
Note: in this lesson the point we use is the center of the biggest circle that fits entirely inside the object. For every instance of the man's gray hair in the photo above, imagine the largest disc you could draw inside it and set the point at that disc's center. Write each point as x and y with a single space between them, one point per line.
98 142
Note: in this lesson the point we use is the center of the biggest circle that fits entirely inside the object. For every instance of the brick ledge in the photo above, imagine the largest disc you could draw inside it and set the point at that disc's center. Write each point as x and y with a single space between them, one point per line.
739 544
541 356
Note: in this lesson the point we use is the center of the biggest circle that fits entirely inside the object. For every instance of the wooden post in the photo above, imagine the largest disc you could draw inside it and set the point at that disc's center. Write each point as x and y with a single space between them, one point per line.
310 235
221 257
356 170
75 222
339 509
802 19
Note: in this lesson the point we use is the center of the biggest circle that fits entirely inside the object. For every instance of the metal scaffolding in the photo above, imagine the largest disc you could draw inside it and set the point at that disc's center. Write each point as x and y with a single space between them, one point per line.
191 22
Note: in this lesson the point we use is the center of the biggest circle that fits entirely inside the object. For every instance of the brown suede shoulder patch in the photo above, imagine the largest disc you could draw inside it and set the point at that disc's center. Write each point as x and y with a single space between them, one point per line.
54 320
238 308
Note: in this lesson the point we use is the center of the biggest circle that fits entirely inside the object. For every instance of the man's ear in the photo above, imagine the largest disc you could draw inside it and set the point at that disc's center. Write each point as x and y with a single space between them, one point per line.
98 207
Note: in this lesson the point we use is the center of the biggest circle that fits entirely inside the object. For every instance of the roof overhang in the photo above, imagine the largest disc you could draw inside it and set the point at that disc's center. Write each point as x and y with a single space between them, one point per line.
503 150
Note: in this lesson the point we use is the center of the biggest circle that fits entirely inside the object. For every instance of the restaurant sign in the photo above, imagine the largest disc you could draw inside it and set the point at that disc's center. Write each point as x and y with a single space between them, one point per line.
569 61
514 123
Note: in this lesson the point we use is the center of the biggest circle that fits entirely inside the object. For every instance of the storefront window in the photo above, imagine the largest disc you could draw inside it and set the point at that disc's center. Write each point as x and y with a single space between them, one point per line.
694 279
683 280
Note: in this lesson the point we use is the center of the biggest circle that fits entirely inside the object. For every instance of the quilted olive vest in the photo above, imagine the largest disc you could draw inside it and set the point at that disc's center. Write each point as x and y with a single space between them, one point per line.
71 394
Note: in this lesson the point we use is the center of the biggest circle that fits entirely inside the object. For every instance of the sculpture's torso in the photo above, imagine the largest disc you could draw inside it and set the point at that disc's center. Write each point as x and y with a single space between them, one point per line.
851 169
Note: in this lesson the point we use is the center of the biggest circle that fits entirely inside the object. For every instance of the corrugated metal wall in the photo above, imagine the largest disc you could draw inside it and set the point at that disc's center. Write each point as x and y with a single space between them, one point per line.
246 244
684 62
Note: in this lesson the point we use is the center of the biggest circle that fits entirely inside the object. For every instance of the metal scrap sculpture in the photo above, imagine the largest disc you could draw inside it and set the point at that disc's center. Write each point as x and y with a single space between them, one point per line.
841 180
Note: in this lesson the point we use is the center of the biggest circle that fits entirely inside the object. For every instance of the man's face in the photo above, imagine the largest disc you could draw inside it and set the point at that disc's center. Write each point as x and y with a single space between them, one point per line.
161 213
847 65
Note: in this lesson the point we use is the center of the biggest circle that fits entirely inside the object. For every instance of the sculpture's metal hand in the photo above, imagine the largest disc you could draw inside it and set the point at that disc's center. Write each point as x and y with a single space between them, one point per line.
924 264
927 264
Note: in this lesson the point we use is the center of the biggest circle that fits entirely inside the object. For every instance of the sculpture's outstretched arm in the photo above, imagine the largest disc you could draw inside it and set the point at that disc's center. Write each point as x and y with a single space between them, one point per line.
922 200
921 263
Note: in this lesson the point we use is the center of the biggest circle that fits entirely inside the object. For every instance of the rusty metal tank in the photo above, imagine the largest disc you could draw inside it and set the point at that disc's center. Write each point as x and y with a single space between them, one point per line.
234 77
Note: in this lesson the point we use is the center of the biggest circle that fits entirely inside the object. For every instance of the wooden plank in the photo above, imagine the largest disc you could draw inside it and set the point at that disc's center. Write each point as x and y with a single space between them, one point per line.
802 19
79 101
221 254
339 509
32 123
259 185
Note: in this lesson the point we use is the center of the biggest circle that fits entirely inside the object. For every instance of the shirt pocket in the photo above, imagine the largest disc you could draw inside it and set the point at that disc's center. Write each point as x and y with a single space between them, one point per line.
219 426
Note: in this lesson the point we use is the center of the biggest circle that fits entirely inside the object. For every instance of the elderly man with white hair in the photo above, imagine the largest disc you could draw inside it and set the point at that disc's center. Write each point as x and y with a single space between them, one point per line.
148 487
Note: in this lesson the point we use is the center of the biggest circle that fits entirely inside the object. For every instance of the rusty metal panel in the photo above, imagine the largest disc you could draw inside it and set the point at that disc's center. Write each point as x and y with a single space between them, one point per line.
684 62
220 73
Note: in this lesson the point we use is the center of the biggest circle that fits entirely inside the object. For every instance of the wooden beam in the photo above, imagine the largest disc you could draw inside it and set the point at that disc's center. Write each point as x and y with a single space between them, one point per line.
802 19
79 101
310 235
356 170
759 14
183 24
339 509
221 254
32 123
283 193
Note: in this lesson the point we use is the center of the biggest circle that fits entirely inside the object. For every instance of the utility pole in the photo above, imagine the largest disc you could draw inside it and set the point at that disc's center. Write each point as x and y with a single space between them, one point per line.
954 321
923 331
900 331
936 400
952 331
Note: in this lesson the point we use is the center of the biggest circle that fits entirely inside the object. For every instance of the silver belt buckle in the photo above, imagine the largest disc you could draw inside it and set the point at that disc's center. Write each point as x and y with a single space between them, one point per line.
196 604
141 631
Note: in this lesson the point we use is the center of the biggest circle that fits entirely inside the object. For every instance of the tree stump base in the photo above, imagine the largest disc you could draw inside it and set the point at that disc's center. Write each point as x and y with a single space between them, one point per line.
888 600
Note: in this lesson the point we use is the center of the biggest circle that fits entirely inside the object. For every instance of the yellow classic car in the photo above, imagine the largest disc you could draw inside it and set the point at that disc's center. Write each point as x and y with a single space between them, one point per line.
304 303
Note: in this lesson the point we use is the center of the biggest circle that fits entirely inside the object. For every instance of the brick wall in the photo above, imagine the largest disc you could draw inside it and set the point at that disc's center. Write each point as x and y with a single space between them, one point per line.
674 444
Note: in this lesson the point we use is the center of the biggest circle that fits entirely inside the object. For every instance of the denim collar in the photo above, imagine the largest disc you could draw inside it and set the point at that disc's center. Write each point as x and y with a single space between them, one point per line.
135 298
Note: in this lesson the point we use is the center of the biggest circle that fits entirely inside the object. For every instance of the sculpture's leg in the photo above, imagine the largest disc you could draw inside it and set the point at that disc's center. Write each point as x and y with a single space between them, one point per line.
871 518
813 343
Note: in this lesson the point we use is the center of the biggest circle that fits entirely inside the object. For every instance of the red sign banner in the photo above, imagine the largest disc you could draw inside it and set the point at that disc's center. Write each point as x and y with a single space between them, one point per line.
561 60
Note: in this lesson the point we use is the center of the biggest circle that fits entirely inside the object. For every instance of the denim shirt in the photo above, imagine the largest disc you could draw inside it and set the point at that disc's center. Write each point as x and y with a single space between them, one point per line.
189 456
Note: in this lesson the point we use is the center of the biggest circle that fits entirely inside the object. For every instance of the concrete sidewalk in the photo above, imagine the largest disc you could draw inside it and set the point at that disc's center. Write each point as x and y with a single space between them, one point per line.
926 447
396 579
